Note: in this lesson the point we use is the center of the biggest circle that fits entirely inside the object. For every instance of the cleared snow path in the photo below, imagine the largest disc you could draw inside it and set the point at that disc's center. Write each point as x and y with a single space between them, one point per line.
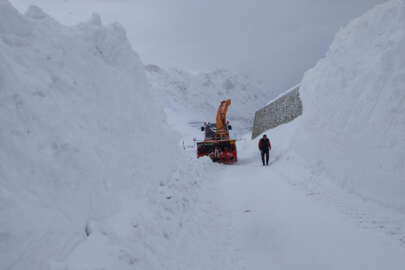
275 225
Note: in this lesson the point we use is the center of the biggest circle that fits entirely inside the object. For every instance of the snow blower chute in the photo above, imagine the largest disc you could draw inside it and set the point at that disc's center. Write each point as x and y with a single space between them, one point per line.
217 144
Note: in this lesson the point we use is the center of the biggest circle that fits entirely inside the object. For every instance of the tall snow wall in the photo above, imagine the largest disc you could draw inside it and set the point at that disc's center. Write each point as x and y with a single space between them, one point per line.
353 125
78 131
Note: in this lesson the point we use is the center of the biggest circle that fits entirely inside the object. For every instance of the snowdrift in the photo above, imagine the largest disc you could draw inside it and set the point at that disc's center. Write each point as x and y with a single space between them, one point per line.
353 126
81 139
183 92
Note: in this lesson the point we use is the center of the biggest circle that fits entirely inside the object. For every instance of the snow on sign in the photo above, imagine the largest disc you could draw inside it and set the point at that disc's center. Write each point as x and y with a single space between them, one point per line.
280 110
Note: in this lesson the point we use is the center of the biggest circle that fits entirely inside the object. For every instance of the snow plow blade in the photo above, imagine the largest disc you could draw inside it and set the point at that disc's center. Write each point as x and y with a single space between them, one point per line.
223 151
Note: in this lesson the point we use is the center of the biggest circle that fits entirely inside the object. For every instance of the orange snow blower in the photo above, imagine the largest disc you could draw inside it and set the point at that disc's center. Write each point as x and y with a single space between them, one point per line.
217 144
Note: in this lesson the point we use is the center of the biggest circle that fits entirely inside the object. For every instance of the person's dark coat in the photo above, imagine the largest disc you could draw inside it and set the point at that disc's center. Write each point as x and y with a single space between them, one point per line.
264 144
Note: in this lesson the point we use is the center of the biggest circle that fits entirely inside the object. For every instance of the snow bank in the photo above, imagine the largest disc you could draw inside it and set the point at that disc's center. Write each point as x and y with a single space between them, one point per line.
184 92
353 126
81 139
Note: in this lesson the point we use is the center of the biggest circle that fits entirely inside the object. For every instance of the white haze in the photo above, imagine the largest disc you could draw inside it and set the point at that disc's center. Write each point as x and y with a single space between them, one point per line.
272 40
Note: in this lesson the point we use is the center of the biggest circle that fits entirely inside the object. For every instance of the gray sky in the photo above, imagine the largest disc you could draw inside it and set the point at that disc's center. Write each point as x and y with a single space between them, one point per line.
275 41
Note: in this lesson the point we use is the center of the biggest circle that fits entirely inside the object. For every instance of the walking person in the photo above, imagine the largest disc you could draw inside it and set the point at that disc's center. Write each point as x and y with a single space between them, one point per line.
265 147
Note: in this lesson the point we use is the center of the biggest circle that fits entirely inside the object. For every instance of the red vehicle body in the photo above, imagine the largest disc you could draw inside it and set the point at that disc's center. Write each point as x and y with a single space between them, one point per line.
217 144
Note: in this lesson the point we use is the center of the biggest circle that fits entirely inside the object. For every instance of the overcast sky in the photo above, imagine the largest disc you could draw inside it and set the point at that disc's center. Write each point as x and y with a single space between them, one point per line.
275 41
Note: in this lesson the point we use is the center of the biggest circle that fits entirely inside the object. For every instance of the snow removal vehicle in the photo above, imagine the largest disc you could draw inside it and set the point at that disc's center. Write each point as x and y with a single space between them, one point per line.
217 144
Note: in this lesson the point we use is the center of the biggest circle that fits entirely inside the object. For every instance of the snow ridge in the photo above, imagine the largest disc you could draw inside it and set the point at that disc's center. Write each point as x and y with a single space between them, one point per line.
353 124
79 144
201 93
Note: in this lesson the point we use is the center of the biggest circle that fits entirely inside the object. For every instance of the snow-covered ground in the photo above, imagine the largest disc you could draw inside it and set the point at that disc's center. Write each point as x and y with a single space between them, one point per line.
93 177
87 174
276 222
332 197
181 93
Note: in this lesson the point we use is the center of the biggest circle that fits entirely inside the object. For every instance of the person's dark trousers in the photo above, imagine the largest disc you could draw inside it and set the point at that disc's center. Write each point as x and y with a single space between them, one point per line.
265 153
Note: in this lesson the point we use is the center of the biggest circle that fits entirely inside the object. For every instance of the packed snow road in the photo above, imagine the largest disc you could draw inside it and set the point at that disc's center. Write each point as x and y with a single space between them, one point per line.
269 223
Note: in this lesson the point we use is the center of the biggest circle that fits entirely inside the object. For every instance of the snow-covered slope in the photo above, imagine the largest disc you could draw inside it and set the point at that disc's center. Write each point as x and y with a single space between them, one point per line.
87 178
81 139
200 93
353 126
